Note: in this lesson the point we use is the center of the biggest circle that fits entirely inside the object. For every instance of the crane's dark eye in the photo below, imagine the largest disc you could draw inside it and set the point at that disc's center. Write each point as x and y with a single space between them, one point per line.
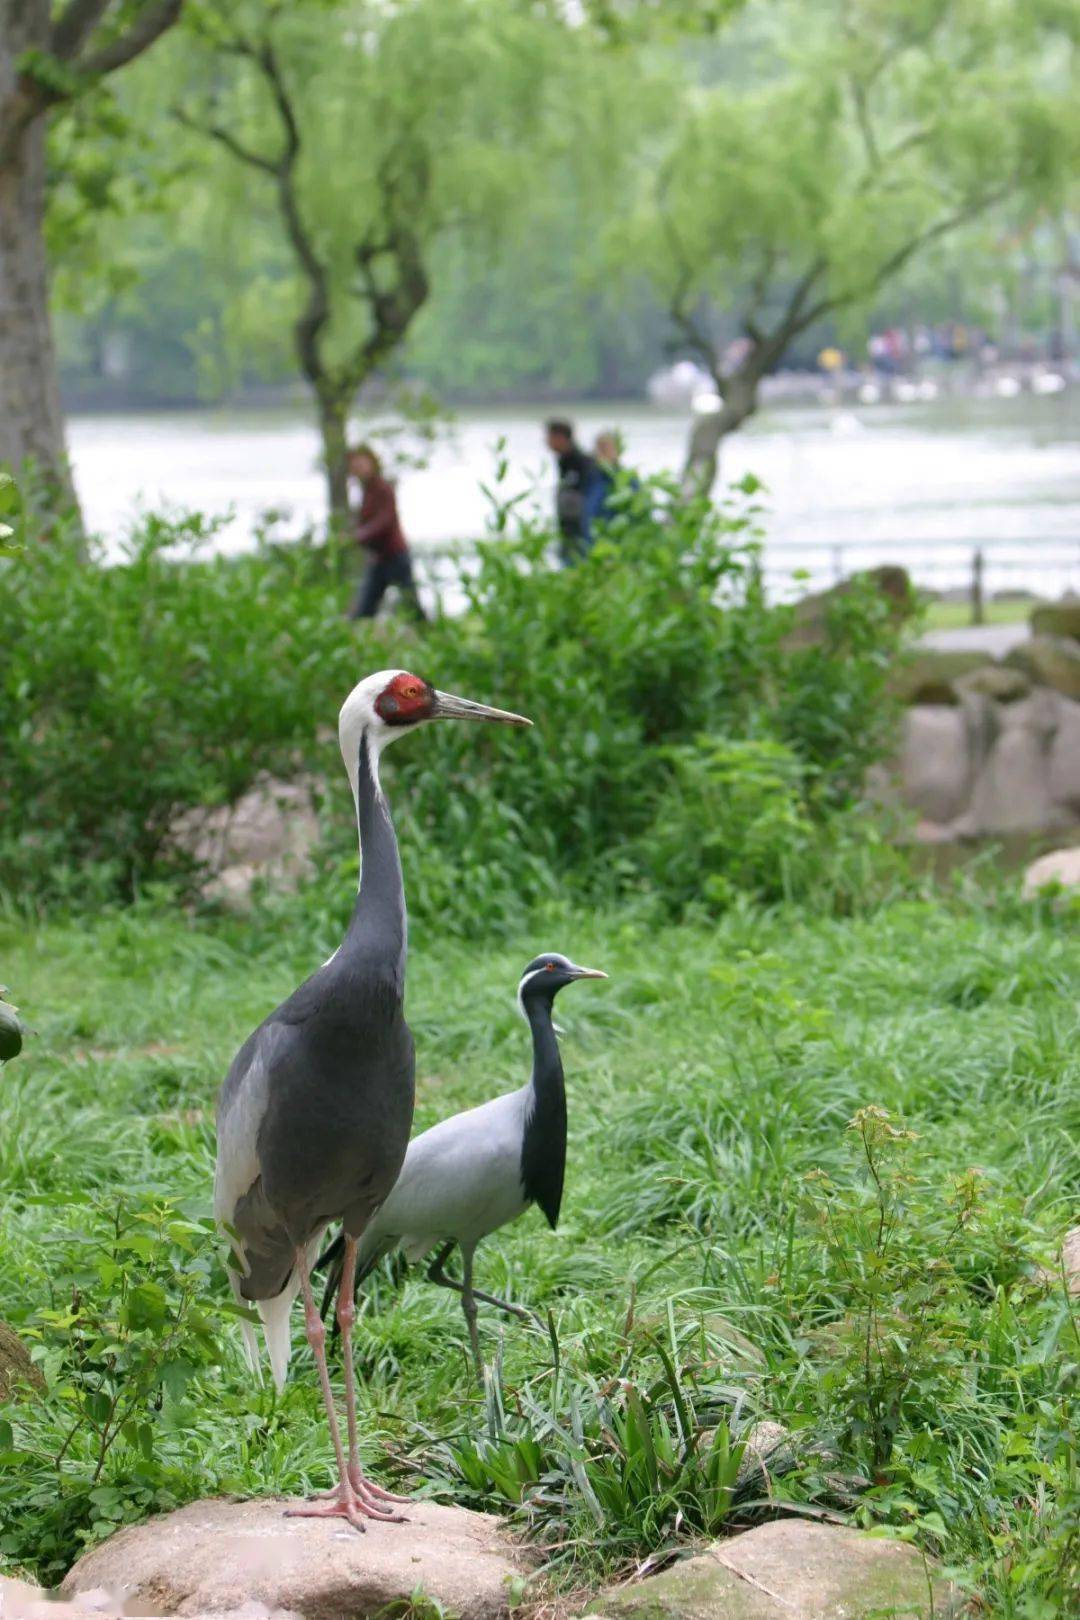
551 967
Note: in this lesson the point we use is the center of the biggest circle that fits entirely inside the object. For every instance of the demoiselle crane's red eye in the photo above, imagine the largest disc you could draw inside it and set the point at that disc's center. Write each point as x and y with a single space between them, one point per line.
551 967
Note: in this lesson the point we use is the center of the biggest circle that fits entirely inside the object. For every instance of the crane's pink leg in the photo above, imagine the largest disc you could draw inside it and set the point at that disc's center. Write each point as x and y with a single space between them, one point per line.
344 1502
346 1314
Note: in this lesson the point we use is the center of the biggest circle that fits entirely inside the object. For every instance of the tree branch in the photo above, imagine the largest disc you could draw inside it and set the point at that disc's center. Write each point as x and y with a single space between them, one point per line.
225 138
74 26
156 19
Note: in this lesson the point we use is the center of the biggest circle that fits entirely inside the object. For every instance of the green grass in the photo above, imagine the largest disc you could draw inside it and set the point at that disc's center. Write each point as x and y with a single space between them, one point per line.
957 615
718 1250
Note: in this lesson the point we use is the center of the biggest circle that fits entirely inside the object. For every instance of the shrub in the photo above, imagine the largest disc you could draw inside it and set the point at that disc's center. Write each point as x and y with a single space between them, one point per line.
119 1343
132 692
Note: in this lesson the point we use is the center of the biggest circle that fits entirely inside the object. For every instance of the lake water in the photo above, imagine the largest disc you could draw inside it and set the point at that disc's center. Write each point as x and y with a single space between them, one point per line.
921 484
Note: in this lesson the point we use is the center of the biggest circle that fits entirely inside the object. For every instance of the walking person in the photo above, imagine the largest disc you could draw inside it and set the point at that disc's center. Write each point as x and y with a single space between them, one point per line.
378 529
576 472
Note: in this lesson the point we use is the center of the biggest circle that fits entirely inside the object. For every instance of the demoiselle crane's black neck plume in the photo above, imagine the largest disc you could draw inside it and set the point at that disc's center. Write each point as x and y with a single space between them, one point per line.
543 1148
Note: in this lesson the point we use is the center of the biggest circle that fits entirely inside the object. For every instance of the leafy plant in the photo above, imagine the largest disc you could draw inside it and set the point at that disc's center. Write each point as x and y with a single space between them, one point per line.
130 1327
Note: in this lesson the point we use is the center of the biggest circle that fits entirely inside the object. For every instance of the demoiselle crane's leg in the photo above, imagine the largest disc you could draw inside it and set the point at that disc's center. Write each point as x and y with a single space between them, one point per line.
346 1316
345 1502
468 1305
436 1274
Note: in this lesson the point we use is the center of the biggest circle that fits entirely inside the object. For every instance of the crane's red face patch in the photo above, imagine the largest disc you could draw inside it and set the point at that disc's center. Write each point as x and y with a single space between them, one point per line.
405 700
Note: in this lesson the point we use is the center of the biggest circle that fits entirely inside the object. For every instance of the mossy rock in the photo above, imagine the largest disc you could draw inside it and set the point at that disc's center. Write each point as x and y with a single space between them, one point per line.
930 674
1001 682
1052 661
792 1570
812 614
16 1368
1057 619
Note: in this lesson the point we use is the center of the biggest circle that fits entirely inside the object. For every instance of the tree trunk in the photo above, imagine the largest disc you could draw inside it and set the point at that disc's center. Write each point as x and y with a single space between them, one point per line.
739 393
333 426
31 424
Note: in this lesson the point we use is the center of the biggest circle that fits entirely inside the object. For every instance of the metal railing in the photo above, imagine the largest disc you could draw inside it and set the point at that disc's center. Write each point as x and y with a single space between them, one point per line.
980 572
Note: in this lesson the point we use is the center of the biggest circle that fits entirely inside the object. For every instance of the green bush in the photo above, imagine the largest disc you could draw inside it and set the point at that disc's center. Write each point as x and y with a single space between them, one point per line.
125 1333
669 712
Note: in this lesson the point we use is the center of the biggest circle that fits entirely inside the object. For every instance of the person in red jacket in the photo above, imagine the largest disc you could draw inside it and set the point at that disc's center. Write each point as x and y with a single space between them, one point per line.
378 529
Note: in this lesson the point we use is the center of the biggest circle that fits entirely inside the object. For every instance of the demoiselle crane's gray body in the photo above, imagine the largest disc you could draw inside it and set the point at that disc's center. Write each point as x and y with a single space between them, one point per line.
480 1170
315 1113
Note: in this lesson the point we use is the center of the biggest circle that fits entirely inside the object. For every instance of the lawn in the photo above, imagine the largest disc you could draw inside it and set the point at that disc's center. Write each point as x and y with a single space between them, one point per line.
719 1249
957 615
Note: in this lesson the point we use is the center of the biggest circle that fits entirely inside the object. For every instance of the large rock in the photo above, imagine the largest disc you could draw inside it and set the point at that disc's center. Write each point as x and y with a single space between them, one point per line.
19 1600
998 681
1052 661
1011 746
267 835
1068 1267
1057 618
813 624
786 1571
216 1556
929 674
1058 870
935 764
16 1369
1065 756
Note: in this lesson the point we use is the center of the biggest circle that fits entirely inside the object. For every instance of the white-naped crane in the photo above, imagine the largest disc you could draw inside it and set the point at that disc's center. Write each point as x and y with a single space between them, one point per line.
315 1113
481 1169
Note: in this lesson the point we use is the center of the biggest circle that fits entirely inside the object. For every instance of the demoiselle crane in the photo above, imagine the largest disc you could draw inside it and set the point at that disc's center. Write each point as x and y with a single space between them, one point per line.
479 1170
315 1113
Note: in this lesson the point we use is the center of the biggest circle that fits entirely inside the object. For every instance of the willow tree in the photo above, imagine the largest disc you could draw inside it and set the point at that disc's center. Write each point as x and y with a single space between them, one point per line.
371 128
50 56
853 136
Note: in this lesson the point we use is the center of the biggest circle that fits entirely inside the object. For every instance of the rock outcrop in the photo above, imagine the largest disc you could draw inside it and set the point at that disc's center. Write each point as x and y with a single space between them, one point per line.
16 1368
216 1557
1058 870
268 835
786 1571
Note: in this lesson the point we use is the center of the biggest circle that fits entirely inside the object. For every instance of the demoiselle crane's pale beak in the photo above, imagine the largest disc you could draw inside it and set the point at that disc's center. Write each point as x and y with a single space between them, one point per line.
587 973
448 707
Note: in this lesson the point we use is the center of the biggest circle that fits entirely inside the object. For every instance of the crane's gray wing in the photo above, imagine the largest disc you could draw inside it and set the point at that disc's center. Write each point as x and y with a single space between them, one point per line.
263 1250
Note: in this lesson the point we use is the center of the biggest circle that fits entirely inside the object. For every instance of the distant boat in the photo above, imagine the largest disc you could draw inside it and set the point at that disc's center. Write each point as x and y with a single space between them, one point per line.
1006 387
927 388
904 391
869 393
1047 382
845 424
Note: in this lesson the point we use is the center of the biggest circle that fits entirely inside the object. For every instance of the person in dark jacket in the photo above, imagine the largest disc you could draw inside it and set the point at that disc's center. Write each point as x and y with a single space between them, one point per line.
378 529
576 472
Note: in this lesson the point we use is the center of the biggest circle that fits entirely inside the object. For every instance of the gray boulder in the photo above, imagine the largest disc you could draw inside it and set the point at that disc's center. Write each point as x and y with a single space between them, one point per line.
792 1570
1058 870
220 1557
935 764
998 681
268 835
1057 618
1052 661
1011 790
1065 756
929 674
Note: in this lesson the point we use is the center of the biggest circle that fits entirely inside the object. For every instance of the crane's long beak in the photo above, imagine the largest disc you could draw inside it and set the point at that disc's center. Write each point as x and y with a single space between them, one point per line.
588 973
448 707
